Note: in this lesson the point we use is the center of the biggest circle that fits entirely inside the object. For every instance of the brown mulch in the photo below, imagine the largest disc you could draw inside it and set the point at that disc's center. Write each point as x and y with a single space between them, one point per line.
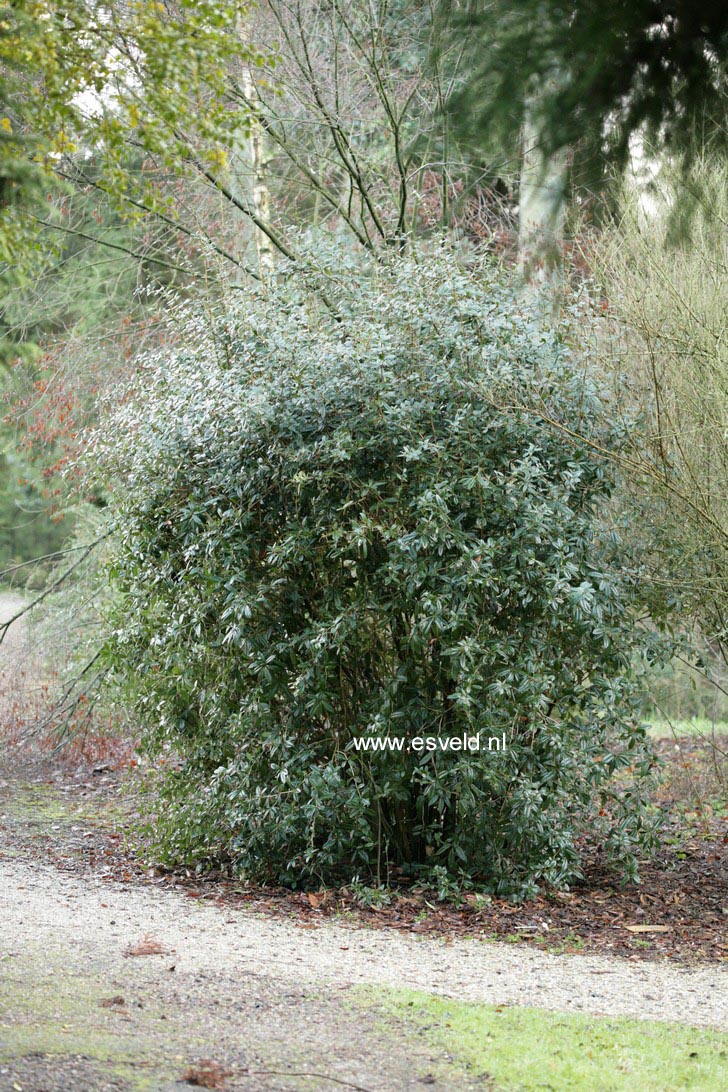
683 892
679 910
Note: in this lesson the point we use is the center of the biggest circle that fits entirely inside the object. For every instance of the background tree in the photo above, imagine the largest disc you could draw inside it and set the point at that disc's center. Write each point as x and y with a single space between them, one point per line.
342 96
75 267
588 79
41 68
604 73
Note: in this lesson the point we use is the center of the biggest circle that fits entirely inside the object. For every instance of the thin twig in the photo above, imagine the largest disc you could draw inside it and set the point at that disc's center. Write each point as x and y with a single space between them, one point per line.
291 1073
5 626
37 560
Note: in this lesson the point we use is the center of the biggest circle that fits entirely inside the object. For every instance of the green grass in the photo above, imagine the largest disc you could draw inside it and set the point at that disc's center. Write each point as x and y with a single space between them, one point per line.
524 1049
695 727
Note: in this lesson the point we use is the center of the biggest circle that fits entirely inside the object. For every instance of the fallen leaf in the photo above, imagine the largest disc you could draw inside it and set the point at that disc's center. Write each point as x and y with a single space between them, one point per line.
206 1074
148 945
112 1002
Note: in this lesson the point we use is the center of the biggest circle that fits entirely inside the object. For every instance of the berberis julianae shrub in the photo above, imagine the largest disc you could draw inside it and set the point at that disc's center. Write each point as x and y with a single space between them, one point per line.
355 520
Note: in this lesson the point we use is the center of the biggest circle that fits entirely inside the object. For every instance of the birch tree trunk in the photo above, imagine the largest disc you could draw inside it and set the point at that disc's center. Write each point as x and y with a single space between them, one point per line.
250 158
541 205
259 154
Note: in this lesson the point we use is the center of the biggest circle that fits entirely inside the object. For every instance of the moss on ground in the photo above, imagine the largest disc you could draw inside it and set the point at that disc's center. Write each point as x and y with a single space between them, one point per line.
528 1049
43 806
60 1016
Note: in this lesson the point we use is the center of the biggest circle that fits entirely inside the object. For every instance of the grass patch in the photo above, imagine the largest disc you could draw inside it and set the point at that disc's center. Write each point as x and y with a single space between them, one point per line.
696 727
520 1049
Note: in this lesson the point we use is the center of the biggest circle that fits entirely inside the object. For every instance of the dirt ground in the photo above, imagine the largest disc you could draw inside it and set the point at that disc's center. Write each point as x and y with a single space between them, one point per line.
112 985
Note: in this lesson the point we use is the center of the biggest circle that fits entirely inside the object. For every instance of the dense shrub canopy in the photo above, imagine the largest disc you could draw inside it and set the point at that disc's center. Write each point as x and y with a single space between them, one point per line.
356 521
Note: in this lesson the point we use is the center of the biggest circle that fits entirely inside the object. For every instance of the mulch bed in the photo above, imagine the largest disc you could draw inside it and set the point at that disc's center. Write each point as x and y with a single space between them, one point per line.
679 911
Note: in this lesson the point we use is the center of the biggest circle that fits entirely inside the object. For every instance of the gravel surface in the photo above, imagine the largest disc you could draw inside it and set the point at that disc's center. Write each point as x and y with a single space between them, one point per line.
100 920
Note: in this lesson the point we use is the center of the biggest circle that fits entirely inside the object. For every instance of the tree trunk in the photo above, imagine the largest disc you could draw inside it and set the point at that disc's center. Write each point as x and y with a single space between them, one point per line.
259 154
249 169
541 206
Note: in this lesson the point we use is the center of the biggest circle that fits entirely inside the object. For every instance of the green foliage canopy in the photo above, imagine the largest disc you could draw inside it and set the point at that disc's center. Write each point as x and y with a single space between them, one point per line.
358 525
600 72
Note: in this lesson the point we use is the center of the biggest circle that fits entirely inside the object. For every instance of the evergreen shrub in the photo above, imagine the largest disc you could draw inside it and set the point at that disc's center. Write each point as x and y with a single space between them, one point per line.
358 519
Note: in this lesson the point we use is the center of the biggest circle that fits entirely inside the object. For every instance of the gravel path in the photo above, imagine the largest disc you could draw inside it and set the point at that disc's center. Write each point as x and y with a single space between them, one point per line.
43 907
14 648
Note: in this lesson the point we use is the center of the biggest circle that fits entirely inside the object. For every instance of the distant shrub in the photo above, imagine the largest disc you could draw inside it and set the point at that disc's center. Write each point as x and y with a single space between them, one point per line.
665 277
355 520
